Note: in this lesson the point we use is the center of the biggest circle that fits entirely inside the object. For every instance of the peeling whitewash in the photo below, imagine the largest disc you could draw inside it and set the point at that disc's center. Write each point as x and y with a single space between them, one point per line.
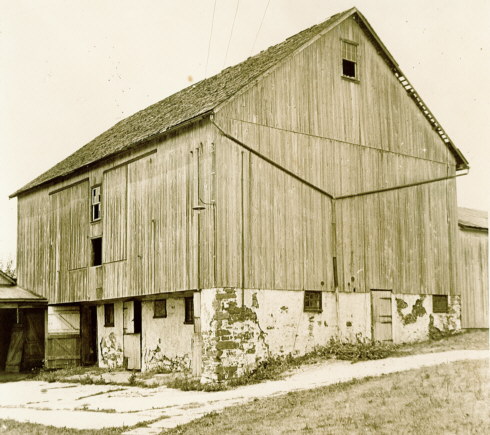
242 327
110 338
167 341
414 319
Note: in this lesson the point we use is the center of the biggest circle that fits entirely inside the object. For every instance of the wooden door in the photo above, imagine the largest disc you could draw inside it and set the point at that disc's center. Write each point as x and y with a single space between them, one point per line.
88 329
132 334
64 343
34 341
381 315
16 348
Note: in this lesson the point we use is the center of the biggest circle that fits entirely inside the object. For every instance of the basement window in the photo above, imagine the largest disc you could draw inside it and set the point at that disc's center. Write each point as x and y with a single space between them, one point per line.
439 304
96 212
189 310
108 315
160 308
349 60
97 251
313 301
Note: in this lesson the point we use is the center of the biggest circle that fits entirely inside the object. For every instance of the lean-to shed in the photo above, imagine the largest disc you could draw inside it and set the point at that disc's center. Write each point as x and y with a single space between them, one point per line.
473 267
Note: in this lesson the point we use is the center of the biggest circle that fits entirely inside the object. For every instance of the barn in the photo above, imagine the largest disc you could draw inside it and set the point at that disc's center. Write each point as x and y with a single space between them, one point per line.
303 194
473 267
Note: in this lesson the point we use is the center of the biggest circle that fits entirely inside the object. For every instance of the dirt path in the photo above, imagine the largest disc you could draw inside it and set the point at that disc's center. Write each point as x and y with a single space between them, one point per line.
98 406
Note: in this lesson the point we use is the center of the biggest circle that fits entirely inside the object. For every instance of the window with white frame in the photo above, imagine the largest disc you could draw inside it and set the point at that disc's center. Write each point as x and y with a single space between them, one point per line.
96 210
349 60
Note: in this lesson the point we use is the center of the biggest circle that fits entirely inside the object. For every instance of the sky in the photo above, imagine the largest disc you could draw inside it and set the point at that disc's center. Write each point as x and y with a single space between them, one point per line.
69 70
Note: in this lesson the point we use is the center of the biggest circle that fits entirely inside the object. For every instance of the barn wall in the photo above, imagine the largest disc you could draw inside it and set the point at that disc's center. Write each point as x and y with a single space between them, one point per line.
344 138
166 342
402 240
274 232
473 277
414 318
340 135
110 339
148 227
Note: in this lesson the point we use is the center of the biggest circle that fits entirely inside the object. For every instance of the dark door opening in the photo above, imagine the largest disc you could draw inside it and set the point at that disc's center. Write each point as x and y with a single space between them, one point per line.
7 321
33 319
88 325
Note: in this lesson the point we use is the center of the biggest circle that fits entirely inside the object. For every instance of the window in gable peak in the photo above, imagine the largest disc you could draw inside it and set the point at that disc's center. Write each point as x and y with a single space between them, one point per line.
349 60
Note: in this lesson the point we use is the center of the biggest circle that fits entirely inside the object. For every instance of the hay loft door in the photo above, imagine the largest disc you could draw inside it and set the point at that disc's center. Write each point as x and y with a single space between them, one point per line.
381 315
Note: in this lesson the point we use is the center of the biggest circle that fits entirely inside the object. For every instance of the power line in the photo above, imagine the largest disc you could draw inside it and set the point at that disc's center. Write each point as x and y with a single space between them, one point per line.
209 43
231 33
260 27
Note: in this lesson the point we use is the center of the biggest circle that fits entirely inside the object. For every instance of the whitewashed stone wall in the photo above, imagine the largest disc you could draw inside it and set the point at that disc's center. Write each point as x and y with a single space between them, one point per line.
414 319
110 339
166 342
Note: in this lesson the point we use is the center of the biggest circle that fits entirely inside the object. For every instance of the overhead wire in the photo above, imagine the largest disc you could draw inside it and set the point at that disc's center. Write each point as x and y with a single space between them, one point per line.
209 43
260 27
231 32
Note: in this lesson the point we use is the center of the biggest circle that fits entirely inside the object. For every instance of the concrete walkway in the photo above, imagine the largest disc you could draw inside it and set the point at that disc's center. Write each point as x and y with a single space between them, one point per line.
98 406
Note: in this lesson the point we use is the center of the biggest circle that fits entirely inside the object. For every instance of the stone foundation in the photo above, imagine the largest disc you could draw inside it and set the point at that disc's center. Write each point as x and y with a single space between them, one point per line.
414 319
240 328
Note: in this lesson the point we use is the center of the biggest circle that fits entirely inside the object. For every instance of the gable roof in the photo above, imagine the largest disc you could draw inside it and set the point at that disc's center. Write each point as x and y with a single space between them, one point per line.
473 219
200 99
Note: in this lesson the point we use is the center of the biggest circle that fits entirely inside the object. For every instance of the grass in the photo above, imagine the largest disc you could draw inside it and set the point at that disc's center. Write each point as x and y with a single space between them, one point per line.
17 428
450 398
13 427
467 340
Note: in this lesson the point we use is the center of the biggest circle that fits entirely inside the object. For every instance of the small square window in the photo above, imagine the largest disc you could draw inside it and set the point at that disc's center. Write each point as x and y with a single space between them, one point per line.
97 251
108 314
349 60
189 310
313 301
160 308
439 304
95 203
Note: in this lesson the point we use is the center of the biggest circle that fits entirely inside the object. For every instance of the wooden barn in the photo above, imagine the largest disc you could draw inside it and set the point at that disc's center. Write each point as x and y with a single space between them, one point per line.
303 194
473 267
22 318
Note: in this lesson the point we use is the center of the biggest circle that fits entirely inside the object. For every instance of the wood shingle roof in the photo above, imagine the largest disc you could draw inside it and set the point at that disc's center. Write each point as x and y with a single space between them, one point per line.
193 102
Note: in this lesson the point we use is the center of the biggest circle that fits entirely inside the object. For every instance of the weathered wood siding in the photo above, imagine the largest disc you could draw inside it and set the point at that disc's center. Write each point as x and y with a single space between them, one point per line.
402 240
274 232
473 277
148 226
344 138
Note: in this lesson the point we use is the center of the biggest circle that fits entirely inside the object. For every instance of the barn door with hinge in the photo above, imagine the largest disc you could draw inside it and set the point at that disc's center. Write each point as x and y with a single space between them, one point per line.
132 334
381 315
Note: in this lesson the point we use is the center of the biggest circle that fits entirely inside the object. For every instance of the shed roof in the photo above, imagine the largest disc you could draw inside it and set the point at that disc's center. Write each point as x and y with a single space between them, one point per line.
6 279
201 98
15 294
470 218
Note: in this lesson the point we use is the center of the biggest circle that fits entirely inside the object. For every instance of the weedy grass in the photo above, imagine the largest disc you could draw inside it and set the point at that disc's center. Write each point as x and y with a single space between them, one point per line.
448 398
276 366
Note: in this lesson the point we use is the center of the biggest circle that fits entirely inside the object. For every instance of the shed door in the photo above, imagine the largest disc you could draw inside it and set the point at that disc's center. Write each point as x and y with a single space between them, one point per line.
34 343
382 327
63 347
